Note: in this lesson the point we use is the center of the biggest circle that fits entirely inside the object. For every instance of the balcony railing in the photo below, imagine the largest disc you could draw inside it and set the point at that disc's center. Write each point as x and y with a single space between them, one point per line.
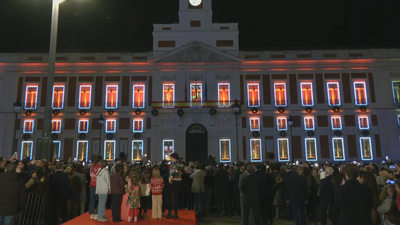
84 105
334 102
30 105
138 105
361 101
111 105
281 103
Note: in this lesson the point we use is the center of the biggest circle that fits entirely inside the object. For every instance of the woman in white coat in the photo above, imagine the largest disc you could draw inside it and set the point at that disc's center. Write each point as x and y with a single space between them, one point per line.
102 189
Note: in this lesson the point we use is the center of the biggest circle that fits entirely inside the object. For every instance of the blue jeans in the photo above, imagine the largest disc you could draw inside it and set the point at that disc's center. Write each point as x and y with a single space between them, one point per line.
298 208
92 201
101 208
198 199
7 220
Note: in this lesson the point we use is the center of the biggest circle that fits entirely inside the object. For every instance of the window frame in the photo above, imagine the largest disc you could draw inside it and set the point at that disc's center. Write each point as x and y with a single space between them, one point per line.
33 126
359 122
80 96
59 148
277 123
114 127
285 91
30 151
305 123
279 149
365 93
393 92
105 149
312 93
141 150
229 150
79 126
338 92
173 96
258 122
60 126
169 153
370 148
227 104
26 96
191 95
343 149
251 150
133 126
306 150
133 96
258 95
116 98
332 123
63 96
86 146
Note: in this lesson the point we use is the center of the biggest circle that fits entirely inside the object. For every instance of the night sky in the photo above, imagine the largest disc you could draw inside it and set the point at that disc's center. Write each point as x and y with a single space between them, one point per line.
126 25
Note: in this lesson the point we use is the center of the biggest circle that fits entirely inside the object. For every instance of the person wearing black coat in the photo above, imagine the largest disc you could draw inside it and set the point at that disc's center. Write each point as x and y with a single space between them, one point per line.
354 200
60 191
297 196
222 187
266 194
236 191
12 194
252 186
326 195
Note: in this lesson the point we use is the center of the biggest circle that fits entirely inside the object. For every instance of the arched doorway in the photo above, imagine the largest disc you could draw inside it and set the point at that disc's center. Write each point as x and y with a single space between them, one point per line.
196 143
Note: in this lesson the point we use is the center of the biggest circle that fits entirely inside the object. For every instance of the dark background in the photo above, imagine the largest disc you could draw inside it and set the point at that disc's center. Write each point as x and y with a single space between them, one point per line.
126 25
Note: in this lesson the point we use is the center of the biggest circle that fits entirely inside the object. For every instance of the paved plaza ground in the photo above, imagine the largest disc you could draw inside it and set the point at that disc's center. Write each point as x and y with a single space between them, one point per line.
235 220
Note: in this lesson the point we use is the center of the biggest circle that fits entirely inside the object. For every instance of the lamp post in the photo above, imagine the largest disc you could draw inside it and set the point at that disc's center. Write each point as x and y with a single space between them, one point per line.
101 122
236 109
46 142
290 123
17 106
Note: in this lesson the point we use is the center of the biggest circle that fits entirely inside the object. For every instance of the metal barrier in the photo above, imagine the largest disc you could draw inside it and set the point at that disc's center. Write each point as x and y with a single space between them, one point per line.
385 221
36 210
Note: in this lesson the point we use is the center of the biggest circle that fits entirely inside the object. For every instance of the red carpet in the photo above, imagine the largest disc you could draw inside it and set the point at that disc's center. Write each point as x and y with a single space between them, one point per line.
185 218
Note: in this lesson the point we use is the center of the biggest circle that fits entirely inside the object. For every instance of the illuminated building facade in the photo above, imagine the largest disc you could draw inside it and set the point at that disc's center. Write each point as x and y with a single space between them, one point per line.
177 98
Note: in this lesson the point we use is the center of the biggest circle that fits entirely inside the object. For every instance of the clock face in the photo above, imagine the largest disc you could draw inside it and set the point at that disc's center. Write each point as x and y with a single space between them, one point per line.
195 2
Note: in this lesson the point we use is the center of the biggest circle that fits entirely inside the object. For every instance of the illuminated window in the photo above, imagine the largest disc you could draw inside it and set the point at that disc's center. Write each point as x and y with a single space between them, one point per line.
280 94
396 91
307 98
26 149
82 148
309 123
137 150
253 95
336 123
363 122
56 126
109 150
281 123
28 126
31 96
85 96
366 149
255 148
283 149
137 125
398 120
58 97
225 150
254 124
338 149
195 95
56 149
360 93
168 149
111 96
138 96
111 126
83 126
333 94
168 95
311 149
224 95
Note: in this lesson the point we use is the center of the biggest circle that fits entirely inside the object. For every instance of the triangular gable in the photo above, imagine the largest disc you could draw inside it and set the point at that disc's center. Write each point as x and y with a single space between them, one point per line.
196 52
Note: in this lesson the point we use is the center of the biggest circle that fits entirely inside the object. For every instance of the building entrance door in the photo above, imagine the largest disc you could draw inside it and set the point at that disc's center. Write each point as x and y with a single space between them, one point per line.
196 143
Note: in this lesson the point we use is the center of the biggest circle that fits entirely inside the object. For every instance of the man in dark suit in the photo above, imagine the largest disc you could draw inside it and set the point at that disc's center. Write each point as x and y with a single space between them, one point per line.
354 200
297 196
222 189
266 194
236 191
60 190
250 186
326 195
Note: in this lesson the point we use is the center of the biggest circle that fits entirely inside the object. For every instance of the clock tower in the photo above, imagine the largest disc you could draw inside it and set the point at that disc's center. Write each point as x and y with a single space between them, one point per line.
195 25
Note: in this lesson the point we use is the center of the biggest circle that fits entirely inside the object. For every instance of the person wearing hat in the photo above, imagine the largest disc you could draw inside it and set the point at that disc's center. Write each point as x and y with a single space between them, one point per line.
175 180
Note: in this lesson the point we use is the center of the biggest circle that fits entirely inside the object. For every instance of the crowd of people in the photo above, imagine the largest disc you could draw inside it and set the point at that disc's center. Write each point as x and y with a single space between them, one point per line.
351 193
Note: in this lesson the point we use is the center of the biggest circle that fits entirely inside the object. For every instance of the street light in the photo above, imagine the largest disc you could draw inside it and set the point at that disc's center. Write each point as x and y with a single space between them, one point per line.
290 123
236 110
17 106
101 122
46 142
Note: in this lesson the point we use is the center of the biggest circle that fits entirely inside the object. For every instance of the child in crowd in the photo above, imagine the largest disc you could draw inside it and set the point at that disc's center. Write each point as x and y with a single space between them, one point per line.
133 201
156 187
144 194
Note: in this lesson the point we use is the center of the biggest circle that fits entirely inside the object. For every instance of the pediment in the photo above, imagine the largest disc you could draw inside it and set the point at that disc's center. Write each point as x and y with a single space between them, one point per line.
196 52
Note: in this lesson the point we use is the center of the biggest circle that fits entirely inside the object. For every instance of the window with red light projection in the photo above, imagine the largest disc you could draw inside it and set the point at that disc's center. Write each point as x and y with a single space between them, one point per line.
360 93
224 97
281 123
111 126
309 123
28 126
196 99
138 96
111 96
31 96
363 122
254 124
58 97
137 125
85 96
333 93
56 126
168 95
253 95
83 126
336 123
307 98
280 94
